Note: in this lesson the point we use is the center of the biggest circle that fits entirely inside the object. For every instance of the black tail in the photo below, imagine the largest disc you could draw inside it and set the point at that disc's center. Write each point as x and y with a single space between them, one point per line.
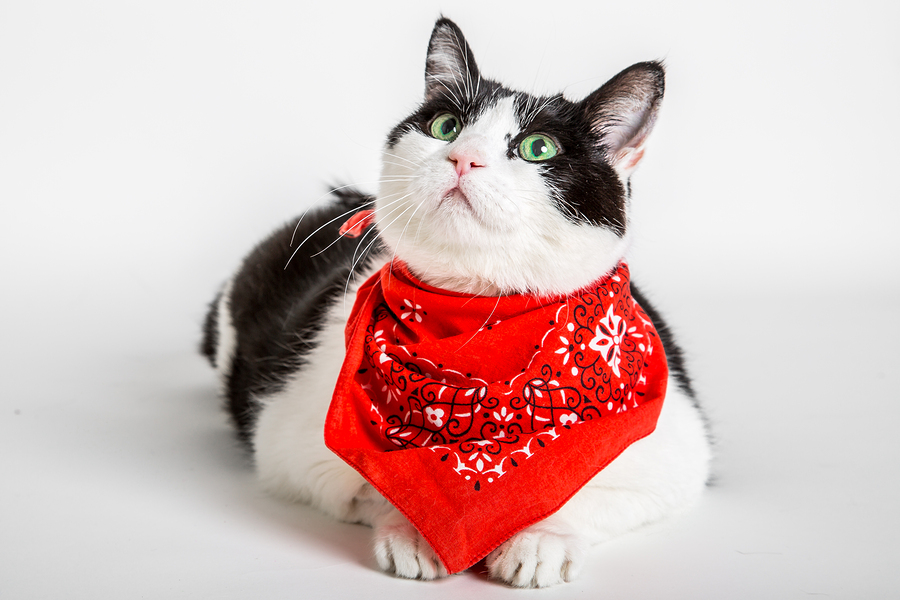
210 341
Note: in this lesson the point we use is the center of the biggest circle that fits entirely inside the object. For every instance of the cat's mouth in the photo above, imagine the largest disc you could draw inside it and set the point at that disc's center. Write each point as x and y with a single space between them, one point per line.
456 197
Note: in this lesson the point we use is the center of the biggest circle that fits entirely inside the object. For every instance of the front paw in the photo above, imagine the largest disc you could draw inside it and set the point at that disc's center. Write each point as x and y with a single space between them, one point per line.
401 550
536 559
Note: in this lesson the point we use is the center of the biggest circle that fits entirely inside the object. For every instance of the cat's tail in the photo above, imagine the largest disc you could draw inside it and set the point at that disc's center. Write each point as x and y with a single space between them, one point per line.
211 331
210 339
219 336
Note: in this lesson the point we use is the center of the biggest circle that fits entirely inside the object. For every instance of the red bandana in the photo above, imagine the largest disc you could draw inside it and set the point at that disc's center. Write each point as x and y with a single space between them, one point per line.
478 416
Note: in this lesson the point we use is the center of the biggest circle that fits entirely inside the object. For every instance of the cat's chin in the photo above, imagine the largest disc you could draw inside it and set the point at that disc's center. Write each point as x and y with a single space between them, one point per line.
465 214
455 197
453 249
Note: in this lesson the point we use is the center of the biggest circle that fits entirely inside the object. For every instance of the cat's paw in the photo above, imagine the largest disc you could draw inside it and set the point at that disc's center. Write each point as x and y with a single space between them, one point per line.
536 559
402 551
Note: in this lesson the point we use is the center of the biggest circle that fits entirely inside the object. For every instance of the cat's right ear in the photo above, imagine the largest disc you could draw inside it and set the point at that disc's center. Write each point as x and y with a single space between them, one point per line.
450 68
623 111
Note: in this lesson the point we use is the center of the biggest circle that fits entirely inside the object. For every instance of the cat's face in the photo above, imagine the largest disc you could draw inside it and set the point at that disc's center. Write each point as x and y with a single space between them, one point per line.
489 191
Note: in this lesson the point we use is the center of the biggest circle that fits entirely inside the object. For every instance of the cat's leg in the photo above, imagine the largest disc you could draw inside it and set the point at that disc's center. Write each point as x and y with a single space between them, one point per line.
293 462
661 474
402 551
538 556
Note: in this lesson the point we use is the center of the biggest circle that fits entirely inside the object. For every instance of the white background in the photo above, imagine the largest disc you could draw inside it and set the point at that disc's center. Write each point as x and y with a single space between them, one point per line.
145 146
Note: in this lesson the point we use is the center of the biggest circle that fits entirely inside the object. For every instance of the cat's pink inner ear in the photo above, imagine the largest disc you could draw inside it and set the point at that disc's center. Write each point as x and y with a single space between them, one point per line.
357 223
628 160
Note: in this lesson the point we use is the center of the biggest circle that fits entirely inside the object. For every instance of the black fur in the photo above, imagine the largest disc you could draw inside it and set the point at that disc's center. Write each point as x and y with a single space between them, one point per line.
277 310
589 189
211 331
674 357
674 354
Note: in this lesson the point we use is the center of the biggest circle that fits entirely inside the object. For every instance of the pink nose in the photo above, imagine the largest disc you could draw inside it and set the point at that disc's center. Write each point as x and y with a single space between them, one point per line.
465 161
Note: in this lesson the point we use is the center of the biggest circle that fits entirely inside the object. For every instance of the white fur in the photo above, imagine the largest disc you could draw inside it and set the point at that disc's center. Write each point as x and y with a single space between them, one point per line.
506 237
289 439
227 336
509 238
659 475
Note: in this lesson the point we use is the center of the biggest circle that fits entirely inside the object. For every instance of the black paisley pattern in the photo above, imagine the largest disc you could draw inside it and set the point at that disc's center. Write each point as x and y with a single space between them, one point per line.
587 365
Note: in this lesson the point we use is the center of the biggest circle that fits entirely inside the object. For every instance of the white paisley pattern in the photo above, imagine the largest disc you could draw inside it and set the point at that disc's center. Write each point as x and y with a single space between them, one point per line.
588 365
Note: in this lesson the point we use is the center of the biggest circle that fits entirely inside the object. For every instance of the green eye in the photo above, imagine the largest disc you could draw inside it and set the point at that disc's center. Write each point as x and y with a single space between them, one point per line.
446 127
538 147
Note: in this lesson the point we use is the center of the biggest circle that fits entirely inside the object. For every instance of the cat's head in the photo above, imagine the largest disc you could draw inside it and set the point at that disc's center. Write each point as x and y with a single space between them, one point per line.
491 191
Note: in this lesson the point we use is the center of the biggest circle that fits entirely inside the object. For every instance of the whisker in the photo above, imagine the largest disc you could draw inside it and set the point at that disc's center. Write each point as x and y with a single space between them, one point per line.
483 325
339 237
399 166
306 239
455 100
460 44
374 229
325 195
412 162
400 179
353 268
400 238
362 254
347 213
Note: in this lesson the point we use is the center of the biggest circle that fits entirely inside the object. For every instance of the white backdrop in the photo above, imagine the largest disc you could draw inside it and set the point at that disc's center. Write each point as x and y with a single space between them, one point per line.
144 147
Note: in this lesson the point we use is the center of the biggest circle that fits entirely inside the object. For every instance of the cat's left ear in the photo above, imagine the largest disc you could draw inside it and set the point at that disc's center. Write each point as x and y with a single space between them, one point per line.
450 68
622 113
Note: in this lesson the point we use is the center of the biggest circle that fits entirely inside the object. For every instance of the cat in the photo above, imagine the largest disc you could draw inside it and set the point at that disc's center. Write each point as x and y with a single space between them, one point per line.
486 192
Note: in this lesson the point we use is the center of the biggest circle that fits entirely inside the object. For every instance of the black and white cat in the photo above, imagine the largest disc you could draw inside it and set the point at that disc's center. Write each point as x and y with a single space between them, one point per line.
487 191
